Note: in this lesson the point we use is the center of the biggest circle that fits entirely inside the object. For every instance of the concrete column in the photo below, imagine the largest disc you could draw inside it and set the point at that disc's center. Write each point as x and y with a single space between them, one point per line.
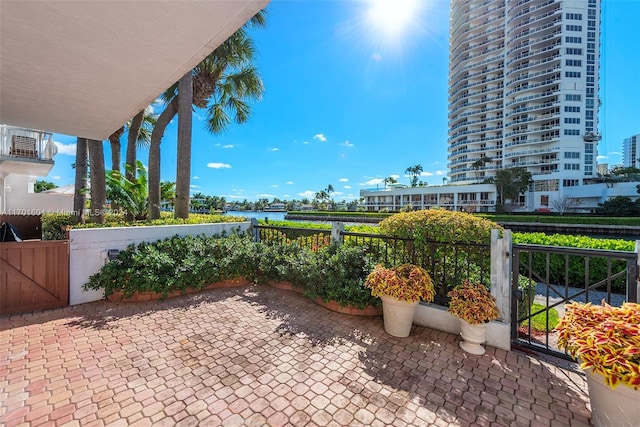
336 229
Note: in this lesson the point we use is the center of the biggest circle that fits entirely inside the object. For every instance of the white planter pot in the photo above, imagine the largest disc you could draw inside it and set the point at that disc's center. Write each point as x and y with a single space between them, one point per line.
398 316
473 337
612 408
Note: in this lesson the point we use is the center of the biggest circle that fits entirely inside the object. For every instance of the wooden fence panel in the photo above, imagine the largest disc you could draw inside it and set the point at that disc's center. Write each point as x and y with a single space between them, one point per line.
33 276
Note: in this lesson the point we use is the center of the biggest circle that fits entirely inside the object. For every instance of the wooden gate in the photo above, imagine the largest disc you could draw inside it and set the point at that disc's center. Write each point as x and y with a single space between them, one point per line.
33 276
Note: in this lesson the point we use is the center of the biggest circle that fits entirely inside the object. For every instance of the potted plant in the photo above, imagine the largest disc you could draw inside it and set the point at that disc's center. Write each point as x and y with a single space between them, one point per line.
606 342
472 303
400 288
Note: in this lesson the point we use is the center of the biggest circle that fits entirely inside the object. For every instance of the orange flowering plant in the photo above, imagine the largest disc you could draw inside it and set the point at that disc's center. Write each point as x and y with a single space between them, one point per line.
406 282
473 303
605 339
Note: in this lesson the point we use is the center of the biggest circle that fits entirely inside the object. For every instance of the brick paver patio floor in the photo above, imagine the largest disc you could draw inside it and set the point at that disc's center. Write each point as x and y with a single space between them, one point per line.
259 356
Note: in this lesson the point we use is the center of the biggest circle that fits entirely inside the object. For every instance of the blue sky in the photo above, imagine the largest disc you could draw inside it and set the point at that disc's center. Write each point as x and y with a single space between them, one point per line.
350 101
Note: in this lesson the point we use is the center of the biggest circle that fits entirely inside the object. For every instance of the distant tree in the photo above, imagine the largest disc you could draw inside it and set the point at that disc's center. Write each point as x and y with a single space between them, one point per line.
414 172
479 164
565 204
389 180
41 186
619 206
510 183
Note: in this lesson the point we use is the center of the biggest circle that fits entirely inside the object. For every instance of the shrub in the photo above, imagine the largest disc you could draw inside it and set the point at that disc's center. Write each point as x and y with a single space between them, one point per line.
439 225
176 264
55 226
450 245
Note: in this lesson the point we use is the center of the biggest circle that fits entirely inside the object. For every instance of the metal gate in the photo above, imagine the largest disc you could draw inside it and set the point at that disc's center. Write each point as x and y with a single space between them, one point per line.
545 278
33 276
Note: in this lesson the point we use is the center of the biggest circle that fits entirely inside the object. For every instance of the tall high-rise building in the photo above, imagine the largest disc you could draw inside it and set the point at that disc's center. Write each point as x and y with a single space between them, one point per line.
631 151
523 90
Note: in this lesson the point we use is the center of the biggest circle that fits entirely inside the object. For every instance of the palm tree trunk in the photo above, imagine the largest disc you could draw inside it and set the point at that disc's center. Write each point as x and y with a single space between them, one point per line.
98 184
114 140
80 195
154 157
183 173
132 139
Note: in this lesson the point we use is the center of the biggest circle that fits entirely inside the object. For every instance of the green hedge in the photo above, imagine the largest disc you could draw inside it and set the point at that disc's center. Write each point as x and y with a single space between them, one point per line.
330 273
564 219
55 226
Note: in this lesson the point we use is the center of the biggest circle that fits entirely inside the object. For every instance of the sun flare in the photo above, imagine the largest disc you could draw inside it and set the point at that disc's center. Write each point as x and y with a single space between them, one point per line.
391 18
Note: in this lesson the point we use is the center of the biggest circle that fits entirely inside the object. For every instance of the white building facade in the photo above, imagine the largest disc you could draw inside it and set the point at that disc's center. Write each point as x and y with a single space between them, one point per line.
631 151
523 91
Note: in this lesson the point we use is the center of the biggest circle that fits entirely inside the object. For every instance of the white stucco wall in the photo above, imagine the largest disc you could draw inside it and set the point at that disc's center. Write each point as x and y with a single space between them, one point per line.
88 248
21 200
437 317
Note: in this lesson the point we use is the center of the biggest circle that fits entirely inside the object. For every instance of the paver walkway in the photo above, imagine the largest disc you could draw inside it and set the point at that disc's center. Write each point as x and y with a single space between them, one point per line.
259 356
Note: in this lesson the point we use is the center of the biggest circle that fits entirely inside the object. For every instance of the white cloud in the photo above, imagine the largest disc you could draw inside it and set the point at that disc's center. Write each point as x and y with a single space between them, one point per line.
68 149
305 142
275 149
602 157
347 144
343 180
307 194
194 186
614 153
426 174
348 187
196 177
56 177
267 196
375 181
274 185
219 165
441 173
320 137
228 146
290 182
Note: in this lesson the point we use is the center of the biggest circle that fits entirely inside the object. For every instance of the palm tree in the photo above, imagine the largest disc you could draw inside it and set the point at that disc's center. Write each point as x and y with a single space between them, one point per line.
414 172
183 172
80 193
389 180
222 83
98 184
480 163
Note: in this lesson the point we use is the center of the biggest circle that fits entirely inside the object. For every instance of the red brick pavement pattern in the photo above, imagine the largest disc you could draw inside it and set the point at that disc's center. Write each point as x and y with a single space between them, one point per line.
260 356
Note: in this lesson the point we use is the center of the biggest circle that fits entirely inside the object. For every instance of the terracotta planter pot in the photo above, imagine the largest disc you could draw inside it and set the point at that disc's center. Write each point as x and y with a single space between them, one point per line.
473 337
612 408
398 316
154 296
330 305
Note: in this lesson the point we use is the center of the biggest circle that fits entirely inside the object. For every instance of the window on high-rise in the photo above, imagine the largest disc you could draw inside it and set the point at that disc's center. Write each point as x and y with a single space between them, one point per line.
574 16
573 39
574 27
572 155
570 182
572 132
573 51
572 166
573 62
571 109
572 120
572 74
572 97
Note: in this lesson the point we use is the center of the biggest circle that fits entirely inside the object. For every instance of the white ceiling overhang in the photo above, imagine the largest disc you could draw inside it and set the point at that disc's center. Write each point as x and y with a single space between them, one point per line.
84 68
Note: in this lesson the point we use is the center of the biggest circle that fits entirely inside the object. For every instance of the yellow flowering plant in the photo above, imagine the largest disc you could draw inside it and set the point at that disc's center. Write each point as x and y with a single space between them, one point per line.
406 282
605 339
473 303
